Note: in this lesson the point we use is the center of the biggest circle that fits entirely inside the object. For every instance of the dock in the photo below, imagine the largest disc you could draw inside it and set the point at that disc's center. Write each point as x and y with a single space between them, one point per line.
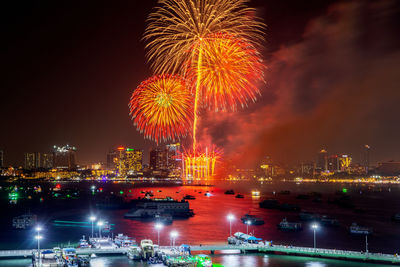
245 248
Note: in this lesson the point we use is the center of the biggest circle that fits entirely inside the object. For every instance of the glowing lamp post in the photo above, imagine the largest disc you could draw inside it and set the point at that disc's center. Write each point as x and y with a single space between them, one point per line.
92 219
158 227
174 235
100 224
247 226
38 237
230 219
314 226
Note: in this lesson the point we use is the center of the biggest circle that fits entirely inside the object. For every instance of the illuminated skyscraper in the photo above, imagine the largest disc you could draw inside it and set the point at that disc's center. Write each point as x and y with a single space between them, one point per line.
125 161
322 162
47 161
30 161
159 159
64 157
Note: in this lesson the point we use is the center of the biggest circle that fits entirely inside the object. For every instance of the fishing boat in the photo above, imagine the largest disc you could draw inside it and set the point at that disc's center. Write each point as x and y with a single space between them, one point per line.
359 230
83 243
239 196
229 192
252 220
284 225
134 253
123 241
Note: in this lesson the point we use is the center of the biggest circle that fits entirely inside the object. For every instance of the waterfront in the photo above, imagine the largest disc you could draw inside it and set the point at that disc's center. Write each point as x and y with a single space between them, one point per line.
209 225
254 260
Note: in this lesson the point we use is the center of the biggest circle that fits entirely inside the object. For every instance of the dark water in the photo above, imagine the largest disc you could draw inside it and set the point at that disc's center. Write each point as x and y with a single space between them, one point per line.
219 260
210 225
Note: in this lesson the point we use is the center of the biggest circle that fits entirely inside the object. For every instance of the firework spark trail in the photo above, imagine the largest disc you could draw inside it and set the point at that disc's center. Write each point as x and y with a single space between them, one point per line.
162 108
228 72
178 26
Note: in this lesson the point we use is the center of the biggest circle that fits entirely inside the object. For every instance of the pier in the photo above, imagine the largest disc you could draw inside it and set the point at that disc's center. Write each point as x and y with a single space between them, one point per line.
247 248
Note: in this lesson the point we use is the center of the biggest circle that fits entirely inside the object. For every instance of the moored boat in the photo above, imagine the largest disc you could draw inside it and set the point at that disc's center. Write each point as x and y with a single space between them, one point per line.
284 225
252 220
229 192
359 230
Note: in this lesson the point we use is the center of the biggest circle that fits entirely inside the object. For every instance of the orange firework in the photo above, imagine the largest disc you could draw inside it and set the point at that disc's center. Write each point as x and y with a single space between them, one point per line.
200 165
229 72
161 107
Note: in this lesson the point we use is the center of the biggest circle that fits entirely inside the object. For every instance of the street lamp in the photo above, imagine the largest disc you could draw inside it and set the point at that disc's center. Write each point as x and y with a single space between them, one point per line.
100 224
230 219
314 226
173 235
38 237
158 227
92 219
248 222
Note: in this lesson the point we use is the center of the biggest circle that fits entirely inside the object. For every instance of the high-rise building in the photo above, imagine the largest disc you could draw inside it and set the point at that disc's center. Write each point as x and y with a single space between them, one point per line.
64 157
133 160
322 161
30 161
112 158
345 162
47 161
159 159
333 163
1 158
125 161
366 158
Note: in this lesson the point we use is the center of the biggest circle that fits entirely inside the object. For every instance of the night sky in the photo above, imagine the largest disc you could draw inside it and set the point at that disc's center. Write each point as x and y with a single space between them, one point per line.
69 67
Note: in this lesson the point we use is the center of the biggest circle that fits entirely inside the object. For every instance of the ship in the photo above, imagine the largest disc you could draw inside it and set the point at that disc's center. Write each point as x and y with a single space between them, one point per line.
83 243
308 216
284 225
189 197
329 221
239 196
24 221
359 230
148 209
252 220
269 204
123 241
229 192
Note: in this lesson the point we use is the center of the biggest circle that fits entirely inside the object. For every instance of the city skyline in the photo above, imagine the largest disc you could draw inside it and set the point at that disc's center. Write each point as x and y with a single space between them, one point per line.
90 108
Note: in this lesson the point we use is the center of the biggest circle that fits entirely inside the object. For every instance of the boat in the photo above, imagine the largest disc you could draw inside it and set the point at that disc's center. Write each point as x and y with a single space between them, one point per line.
189 197
255 193
308 216
69 256
269 204
48 258
284 225
252 220
147 209
106 228
289 207
229 192
239 196
83 260
83 243
24 221
147 248
123 241
359 230
103 243
134 253
329 221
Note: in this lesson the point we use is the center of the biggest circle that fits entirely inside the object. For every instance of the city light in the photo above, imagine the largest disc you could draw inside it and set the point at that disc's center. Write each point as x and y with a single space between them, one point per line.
92 219
174 235
230 217
158 227
314 226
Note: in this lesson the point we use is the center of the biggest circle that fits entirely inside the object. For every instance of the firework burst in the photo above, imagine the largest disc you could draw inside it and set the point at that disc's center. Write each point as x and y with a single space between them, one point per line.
229 72
162 108
176 25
